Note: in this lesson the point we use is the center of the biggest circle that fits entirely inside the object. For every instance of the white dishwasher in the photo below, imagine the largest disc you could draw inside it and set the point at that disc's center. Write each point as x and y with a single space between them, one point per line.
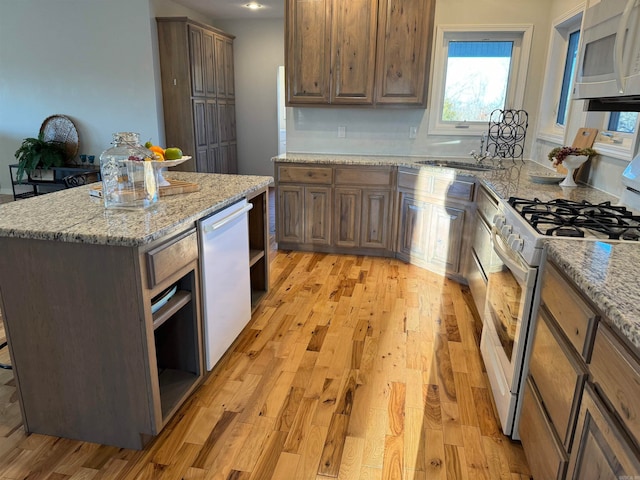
226 288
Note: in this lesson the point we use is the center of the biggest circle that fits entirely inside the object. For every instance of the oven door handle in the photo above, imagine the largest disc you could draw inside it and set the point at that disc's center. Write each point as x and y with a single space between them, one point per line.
508 257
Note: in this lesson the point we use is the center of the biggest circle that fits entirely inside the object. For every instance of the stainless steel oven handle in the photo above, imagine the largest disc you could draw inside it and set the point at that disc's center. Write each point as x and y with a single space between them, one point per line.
508 257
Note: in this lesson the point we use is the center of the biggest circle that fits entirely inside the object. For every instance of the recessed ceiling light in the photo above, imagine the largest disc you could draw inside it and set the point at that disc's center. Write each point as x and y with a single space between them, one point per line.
253 5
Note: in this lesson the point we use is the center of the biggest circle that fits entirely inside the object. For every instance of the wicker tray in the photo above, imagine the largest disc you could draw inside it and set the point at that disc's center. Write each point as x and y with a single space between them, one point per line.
58 128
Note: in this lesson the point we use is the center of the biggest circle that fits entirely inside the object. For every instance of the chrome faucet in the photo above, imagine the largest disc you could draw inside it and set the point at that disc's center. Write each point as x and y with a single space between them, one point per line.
479 157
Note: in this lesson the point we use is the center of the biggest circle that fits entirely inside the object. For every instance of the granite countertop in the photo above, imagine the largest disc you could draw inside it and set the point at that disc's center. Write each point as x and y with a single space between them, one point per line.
72 215
605 272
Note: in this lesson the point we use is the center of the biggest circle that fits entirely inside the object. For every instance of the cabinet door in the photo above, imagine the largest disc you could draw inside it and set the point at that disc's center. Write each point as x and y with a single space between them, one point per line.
600 444
224 118
212 126
348 205
200 134
209 64
229 74
317 215
290 213
445 238
413 223
308 59
376 205
403 50
221 89
196 53
353 40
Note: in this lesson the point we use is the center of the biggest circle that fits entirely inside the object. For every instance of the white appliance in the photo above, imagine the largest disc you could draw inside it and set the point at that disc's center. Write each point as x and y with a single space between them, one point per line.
609 62
226 287
513 287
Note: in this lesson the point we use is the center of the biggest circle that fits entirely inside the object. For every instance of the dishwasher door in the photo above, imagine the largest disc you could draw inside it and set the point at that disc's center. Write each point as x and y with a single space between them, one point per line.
226 288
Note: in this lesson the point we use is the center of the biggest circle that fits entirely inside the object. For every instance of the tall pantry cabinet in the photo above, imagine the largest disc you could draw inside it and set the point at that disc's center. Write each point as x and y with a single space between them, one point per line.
196 63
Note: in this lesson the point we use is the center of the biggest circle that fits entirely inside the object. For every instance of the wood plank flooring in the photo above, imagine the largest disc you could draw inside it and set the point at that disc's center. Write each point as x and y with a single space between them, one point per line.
351 368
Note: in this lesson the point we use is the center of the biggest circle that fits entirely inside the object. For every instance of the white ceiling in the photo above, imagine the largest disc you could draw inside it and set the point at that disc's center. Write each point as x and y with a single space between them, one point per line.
232 9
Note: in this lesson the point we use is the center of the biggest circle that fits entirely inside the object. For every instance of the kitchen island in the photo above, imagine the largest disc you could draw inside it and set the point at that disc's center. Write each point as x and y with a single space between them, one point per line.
91 360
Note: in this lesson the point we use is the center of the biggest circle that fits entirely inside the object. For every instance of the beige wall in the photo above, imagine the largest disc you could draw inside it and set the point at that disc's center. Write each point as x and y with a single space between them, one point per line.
258 51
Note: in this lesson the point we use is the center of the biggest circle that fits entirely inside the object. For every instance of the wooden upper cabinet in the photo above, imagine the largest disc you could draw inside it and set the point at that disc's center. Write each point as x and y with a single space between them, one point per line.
308 51
404 49
358 52
229 74
353 39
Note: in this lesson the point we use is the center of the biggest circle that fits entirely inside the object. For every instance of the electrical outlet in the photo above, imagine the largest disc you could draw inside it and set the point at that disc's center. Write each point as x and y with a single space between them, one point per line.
413 132
342 131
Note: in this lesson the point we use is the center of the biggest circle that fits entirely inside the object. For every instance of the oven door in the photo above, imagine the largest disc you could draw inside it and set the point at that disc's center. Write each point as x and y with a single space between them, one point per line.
507 312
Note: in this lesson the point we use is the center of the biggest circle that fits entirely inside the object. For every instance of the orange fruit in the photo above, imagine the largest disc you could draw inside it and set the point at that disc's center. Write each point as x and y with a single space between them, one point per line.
156 149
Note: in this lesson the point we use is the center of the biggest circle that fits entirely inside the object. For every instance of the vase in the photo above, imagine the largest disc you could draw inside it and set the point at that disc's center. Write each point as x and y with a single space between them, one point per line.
571 163
128 181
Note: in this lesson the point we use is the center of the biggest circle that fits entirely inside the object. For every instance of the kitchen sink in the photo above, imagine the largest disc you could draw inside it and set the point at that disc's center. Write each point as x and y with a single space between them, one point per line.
477 167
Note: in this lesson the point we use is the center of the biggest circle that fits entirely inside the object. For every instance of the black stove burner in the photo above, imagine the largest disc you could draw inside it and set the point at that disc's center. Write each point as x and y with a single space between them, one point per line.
568 218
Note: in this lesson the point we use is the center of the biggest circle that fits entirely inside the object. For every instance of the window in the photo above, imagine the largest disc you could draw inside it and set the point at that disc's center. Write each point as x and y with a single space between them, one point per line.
560 70
481 69
567 77
623 122
476 80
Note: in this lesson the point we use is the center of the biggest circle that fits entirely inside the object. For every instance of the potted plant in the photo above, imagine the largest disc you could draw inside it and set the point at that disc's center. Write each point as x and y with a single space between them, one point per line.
37 153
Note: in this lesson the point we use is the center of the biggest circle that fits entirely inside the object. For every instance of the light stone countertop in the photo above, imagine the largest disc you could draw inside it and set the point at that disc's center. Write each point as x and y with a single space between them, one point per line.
607 273
72 215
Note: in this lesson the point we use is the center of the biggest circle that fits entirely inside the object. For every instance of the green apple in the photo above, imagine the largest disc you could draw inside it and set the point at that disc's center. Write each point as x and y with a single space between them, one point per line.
172 153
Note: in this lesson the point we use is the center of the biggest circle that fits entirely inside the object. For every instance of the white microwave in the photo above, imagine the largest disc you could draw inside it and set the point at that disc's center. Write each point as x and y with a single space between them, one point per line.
609 61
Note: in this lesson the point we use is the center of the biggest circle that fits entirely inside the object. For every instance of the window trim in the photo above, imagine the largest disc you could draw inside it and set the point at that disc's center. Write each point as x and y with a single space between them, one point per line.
548 128
517 77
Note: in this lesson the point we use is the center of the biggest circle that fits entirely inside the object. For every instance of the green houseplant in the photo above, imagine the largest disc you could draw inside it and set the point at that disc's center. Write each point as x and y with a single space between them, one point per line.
37 153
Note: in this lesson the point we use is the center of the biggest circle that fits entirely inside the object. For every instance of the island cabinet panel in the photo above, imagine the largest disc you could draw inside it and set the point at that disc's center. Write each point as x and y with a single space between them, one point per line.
361 52
80 355
196 71
308 51
404 51
91 360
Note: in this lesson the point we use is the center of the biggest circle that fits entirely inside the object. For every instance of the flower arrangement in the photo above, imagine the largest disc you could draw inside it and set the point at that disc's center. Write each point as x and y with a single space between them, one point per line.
558 154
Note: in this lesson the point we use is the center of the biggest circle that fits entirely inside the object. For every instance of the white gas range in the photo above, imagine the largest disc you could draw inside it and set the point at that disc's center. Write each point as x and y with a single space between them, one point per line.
518 233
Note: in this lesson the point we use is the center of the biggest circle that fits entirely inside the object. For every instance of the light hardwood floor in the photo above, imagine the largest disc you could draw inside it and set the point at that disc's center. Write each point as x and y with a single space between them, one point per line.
352 368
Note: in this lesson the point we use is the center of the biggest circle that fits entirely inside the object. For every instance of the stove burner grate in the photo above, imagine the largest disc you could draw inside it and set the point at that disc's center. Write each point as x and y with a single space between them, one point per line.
568 218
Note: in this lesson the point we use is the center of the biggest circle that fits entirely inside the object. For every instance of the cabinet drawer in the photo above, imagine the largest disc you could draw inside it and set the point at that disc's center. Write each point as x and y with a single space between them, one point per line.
315 175
558 375
617 373
487 205
441 187
380 177
574 316
418 180
458 189
546 458
166 259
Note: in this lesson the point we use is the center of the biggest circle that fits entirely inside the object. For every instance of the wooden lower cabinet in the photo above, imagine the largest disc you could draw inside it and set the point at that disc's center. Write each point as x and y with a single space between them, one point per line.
546 458
412 228
340 209
304 215
582 391
433 226
602 448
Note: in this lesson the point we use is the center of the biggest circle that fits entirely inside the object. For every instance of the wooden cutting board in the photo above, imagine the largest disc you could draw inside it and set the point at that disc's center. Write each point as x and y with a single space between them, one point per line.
584 139
175 187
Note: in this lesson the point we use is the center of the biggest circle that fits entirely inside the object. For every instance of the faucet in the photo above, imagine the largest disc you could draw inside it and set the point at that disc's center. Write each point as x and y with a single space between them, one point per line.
479 157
